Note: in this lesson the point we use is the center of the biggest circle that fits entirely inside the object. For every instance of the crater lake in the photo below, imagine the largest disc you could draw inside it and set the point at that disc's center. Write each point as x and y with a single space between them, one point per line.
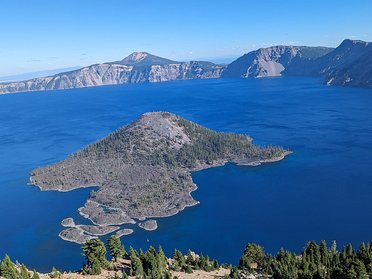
321 191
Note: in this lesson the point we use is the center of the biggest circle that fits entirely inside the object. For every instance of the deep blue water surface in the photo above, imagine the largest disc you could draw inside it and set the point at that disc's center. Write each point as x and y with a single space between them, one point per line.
322 191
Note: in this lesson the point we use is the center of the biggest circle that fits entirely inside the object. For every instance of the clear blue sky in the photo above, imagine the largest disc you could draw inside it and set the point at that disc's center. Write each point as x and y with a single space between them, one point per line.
40 34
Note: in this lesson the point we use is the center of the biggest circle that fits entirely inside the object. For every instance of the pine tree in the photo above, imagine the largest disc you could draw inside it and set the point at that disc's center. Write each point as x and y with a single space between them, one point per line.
190 259
35 275
334 247
54 273
253 253
136 266
360 269
312 251
349 250
203 262
116 249
24 272
215 264
141 255
7 269
350 273
362 253
187 269
151 263
162 259
234 273
132 252
323 249
179 258
95 254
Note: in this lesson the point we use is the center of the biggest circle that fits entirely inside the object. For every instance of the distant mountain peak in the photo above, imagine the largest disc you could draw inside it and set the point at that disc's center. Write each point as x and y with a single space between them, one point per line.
350 42
143 58
136 57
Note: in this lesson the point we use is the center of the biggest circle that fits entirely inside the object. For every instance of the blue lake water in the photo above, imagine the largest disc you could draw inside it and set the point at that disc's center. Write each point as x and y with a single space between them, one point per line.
321 191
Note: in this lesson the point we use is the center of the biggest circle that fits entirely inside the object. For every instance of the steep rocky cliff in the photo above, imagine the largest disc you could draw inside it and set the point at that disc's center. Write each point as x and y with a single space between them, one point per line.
272 61
350 64
137 67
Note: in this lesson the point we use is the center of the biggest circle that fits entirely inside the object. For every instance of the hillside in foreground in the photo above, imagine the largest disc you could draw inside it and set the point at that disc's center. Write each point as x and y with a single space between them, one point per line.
316 261
143 170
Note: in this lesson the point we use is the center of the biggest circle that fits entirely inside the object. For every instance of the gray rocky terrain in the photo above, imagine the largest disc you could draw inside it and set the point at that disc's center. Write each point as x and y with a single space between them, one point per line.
81 233
98 230
348 65
123 232
272 61
68 223
149 225
75 235
143 169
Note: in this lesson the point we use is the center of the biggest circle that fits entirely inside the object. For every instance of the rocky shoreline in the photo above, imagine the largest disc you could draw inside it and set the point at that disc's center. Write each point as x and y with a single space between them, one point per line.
98 216
259 162
75 235
81 233
124 232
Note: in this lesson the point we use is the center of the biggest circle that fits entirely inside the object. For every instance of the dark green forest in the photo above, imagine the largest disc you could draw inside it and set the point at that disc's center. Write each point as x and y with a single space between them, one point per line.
316 261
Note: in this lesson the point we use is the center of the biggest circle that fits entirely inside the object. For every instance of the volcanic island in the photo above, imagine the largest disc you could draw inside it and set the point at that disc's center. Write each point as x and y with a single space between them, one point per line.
143 171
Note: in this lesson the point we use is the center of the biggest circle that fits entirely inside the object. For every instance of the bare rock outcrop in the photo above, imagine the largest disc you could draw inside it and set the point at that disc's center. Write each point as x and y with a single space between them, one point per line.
272 61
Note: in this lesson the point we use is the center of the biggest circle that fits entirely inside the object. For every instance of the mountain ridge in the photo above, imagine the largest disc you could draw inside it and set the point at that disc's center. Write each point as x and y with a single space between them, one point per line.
138 67
350 64
271 61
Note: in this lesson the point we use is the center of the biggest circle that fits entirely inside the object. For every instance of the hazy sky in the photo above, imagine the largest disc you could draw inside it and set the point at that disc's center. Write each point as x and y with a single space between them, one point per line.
40 34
